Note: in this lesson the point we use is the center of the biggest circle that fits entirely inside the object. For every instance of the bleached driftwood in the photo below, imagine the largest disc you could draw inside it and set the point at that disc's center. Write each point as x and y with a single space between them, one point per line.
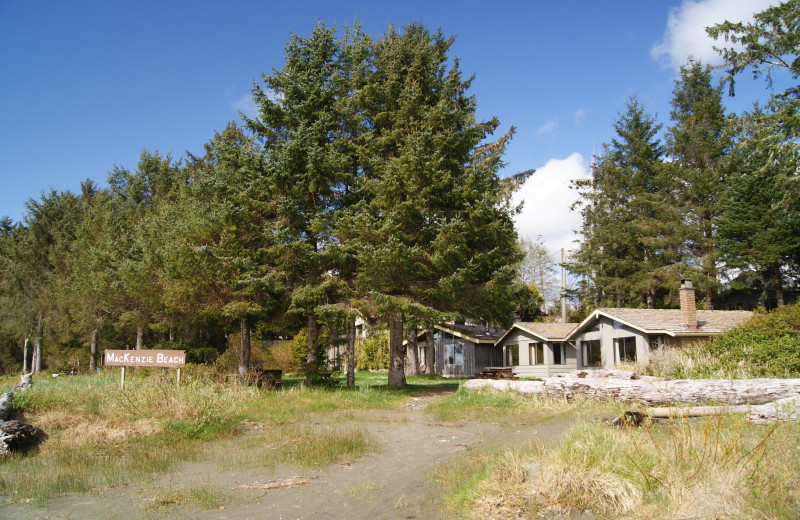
654 392
781 410
764 400
15 435
7 399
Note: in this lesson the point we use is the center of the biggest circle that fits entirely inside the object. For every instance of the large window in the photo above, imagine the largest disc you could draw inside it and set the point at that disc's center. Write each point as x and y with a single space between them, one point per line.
536 352
454 352
453 349
626 349
512 355
591 353
558 354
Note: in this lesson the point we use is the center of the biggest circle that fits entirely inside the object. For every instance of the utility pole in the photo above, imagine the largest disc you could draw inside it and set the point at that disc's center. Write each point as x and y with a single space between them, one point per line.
563 287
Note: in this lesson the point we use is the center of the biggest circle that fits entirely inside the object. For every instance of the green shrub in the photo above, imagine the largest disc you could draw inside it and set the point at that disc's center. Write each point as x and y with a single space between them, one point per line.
372 352
767 345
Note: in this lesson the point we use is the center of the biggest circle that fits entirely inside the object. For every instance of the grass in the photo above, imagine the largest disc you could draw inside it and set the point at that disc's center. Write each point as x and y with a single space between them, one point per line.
512 407
717 467
100 436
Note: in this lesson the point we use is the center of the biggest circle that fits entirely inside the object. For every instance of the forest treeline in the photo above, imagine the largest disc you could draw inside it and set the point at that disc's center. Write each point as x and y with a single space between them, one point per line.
366 186
714 197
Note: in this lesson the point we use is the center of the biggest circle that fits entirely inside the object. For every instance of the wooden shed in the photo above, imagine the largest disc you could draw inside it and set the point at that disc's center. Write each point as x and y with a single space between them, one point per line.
465 350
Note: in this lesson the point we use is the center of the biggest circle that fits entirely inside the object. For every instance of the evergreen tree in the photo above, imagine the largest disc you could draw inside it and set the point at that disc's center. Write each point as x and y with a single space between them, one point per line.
630 229
307 129
134 253
759 224
699 144
769 44
221 268
431 233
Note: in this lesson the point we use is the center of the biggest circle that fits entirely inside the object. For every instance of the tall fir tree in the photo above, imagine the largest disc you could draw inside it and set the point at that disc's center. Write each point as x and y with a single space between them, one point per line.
306 124
431 233
769 46
699 144
629 250
759 222
222 268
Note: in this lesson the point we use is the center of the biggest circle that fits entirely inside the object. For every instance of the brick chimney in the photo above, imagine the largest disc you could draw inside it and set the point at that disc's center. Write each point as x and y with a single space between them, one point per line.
688 306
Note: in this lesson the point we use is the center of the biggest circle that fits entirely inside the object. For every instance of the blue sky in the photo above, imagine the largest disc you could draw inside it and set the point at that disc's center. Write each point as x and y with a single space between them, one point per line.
87 85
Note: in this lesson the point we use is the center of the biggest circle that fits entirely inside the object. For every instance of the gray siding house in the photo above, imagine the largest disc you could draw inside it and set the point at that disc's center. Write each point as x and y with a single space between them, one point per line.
538 349
609 336
465 350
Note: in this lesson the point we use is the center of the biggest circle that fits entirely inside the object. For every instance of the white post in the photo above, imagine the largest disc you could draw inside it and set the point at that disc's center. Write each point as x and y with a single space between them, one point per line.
122 379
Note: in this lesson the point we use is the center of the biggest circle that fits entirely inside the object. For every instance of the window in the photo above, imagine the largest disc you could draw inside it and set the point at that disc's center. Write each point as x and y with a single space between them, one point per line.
558 354
591 353
626 349
512 355
536 352
454 352
657 342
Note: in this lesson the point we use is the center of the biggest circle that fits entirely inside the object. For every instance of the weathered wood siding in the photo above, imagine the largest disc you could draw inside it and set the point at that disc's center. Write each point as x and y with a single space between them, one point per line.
459 357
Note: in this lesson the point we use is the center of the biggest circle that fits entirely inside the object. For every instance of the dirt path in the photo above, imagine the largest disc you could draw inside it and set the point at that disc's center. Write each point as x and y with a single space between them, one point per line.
392 484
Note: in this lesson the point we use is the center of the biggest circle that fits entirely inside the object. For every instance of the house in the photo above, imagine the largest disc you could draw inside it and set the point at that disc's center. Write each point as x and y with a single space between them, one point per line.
609 336
537 349
463 350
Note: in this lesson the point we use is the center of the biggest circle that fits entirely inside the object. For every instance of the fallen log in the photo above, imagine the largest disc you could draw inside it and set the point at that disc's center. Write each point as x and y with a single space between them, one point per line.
654 392
16 435
781 410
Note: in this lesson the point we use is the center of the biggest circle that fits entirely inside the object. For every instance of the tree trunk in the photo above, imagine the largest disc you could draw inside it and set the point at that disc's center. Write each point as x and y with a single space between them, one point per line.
244 346
36 360
171 335
430 352
412 366
139 337
93 351
777 281
397 376
351 353
25 355
653 391
311 349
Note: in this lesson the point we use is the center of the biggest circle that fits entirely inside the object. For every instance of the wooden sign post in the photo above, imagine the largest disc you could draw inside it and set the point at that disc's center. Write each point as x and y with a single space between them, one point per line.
144 358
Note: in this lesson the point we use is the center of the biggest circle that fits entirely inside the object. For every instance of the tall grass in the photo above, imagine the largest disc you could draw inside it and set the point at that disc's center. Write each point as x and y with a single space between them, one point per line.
512 407
102 436
718 467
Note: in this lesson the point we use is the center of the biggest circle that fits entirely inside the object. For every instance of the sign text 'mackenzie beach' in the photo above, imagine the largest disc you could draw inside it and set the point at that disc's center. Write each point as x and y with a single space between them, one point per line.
145 358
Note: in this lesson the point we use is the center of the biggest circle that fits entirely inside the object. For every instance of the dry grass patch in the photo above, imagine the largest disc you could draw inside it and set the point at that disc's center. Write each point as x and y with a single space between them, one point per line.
719 467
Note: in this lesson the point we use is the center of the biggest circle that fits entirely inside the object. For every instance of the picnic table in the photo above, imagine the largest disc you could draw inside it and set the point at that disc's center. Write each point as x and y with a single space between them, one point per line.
498 373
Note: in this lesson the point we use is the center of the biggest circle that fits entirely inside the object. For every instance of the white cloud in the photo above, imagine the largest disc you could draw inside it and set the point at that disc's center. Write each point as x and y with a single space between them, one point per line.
547 196
685 34
547 127
579 115
245 105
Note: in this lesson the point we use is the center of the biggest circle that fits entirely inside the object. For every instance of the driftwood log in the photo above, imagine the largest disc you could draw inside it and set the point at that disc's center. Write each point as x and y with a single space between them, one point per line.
781 410
16 435
763 399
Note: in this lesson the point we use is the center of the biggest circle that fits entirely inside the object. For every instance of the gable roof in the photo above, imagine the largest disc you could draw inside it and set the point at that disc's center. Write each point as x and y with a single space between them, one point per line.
476 334
668 321
543 331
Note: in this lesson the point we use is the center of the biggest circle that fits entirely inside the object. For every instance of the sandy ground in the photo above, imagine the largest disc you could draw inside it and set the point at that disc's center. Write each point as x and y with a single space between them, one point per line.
391 484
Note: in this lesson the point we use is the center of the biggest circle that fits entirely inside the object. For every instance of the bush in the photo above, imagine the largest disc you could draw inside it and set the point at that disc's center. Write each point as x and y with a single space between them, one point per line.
767 345
372 352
